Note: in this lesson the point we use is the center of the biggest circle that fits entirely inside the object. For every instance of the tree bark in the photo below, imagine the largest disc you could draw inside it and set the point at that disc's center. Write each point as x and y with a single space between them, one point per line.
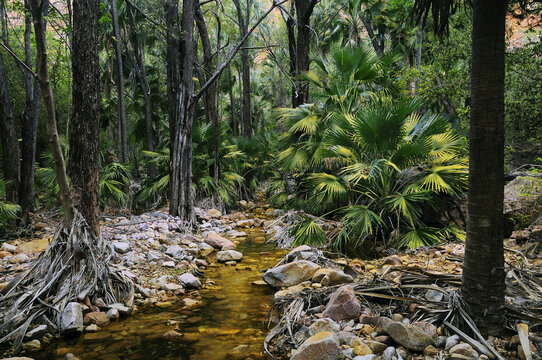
181 202
10 144
210 100
483 268
120 84
29 131
243 19
84 167
52 132
139 54
234 124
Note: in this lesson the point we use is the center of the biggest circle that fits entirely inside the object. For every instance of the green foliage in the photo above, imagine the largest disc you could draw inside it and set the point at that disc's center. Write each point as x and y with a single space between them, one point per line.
114 181
372 155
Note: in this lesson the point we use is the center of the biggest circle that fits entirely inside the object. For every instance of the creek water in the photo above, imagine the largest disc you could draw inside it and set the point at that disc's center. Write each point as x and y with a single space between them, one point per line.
229 323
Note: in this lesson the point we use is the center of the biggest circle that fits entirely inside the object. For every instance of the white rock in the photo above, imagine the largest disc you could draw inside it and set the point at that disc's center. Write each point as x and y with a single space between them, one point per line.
229 255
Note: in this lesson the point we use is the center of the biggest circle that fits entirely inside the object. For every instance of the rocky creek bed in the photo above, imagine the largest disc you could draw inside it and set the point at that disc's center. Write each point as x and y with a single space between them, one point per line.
212 295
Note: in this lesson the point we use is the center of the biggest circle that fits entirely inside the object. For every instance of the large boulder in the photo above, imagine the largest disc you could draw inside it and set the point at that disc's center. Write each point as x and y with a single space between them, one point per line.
410 336
322 346
290 274
217 241
71 321
229 255
343 305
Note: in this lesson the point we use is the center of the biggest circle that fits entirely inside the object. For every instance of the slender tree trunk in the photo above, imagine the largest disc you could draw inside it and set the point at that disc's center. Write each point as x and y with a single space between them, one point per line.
139 54
173 90
120 84
29 132
376 45
10 144
234 124
52 132
292 45
483 268
211 94
243 19
84 167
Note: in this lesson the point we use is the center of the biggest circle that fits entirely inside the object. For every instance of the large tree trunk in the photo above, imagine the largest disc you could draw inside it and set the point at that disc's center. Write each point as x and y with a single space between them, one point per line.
304 10
52 132
211 95
10 144
120 85
483 270
84 167
243 19
181 202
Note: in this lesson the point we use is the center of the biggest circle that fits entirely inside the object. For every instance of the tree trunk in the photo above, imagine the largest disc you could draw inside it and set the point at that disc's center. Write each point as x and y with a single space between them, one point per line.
181 202
52 132
120 85
29 131
173 91
234 124
210 100
10 144
290 26
483 270
84 167
243 19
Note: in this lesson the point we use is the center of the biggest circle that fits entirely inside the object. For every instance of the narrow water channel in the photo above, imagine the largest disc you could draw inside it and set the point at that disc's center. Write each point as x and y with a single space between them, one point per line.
228 324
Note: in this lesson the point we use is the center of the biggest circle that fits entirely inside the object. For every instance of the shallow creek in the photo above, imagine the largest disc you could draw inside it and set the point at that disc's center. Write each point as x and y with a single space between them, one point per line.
232 313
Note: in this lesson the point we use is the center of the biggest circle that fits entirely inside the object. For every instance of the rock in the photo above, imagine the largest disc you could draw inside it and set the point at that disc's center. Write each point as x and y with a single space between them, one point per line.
92 328
96 317
434 295
190 302
389 353
172 335
322 346
171 287
521 193
5 254
410 336
375 346
215 213
70 356
324 324
189 281
430 351
121 247
122 309
343 305
451 342
329 277
361 349
168 264
245 223
346 337
177 252
258 222
113 314
154 256
18 358
393 260
71 321
19 258
440 342
32 346
465 350
217 241
229 255
366 357
35 333
237 234
290 274
380 323
426 327
8 247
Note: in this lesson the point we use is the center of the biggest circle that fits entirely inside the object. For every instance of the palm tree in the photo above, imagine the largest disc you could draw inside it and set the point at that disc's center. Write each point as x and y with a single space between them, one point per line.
483 283
373 154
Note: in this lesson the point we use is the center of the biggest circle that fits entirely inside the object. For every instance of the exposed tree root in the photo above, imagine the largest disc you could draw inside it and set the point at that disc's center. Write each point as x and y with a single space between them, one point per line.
75 265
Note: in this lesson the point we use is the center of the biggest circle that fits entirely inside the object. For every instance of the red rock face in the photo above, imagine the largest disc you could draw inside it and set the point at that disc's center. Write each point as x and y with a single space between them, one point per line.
343 305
